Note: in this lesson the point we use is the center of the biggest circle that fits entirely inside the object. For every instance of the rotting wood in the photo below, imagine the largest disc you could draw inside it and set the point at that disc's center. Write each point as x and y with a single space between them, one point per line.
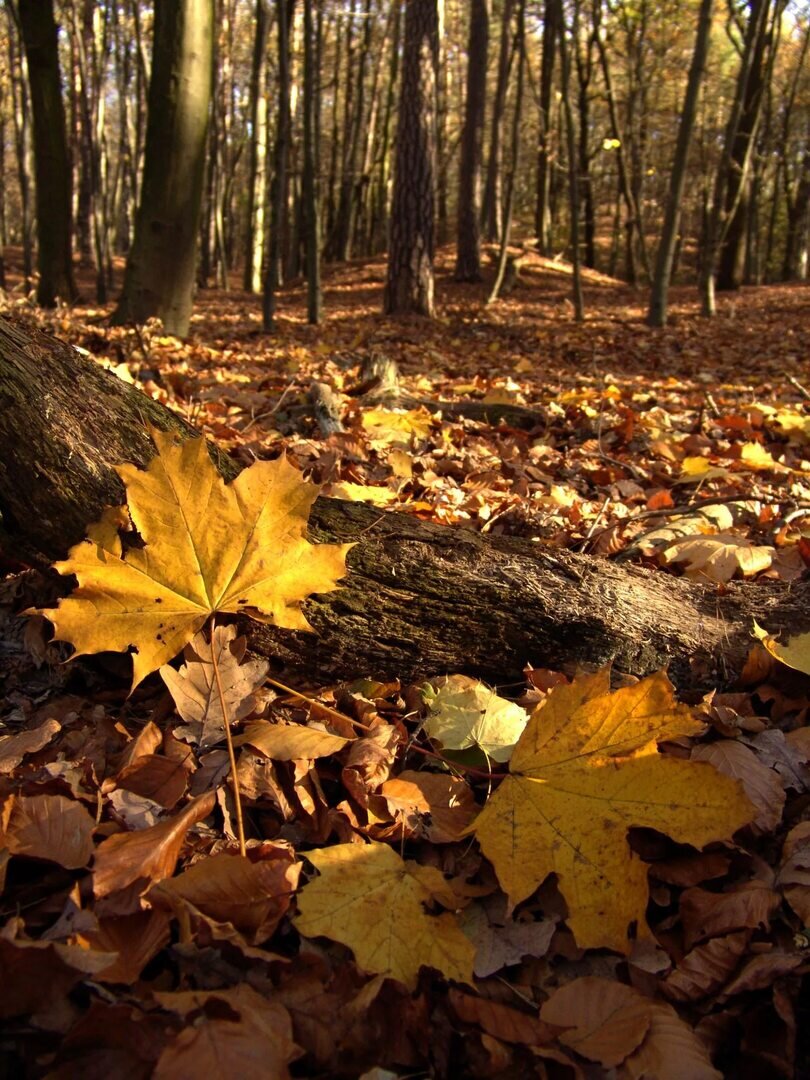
419 600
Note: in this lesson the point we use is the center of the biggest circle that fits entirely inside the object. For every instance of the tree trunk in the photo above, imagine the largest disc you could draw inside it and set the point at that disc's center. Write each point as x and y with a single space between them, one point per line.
310 177
161 267
491 208
257 157
468 253
419 599
573 179
657 313
273 272
51 160
552 14
738 193
409 287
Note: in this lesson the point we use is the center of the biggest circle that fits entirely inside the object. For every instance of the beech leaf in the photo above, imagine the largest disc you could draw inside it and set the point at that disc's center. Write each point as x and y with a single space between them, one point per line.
585 770
208 547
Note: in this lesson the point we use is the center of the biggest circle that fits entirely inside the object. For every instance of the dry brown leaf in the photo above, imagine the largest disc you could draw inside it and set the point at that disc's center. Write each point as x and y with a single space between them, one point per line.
762 785
157 778
499 944
706 968
257 1046
147 856
707 914
671 1051
50 827
447 801
761 971
369 761
602 1020
499 1020
136 939
13 748
720 557
193 686
38 973
291 742
252 893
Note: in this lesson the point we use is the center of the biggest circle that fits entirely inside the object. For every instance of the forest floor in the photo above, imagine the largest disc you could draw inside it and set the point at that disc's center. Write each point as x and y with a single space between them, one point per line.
686 450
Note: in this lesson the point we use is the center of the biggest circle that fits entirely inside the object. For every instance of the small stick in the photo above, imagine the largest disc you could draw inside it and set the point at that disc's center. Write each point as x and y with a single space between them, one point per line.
802 389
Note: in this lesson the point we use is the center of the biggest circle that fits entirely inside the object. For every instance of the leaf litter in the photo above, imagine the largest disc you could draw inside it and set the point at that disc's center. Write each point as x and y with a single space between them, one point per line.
134 931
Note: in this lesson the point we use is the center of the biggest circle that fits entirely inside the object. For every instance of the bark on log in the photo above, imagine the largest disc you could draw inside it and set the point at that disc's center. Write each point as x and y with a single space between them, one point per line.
419 600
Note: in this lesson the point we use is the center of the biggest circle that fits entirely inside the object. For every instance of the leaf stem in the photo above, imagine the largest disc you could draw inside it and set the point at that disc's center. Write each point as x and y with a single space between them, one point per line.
240 825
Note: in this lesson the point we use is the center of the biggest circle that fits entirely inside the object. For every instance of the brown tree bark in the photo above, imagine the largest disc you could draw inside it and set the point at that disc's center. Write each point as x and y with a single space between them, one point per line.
468 243
51 160
419 599
161 266
409 288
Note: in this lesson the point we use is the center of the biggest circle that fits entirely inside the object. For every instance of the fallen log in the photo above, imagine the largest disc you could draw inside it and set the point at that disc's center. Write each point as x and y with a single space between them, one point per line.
419 600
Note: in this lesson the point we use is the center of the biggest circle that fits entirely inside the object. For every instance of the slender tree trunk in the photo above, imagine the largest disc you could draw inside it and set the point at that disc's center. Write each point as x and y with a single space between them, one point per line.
491 208
257 157
732 173
573 179
468 243
551 27
160 273
378 230
738 190
22 139
310 178
657 312
409 286
272 277
514 155
50 154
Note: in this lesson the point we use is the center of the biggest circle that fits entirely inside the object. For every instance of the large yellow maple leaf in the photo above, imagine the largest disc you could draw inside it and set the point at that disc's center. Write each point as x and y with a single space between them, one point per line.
585 770
370 899
208 547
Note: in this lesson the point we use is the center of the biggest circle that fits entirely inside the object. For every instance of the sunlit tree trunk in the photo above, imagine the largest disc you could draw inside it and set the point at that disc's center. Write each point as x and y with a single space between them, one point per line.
257 156
21 120
409 286
161 267
51 160
573 179
272 277
468 242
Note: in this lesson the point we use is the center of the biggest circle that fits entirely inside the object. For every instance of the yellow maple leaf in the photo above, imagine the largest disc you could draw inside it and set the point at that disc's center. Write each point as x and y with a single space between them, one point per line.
794 653
585 770
371 900
466 713
719 557
208 547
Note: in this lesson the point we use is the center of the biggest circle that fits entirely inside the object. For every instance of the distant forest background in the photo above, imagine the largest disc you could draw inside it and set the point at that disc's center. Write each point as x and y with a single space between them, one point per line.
245 142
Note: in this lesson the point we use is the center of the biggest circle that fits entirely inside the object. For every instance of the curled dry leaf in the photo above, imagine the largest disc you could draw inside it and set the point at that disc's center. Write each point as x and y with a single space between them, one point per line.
761 971
499 1020
795 652
252 893
134 939
194 690
671 1051
720 557
208 547
369 761
371 900
290 742
762 785
585 770
50 827
600 1019
147 856
706 914
155 777
13 748
441 806
706 968
499 944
